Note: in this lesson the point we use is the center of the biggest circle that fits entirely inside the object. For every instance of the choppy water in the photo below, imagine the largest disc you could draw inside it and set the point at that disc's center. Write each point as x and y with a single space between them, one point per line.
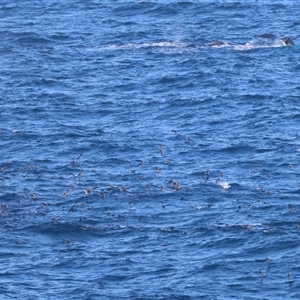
137 162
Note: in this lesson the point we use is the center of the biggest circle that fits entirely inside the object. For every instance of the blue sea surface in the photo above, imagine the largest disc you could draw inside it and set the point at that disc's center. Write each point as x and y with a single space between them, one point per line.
139 160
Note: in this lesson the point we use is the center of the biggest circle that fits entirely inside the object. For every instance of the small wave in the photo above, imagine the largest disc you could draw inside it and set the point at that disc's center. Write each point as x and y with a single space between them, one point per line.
32 39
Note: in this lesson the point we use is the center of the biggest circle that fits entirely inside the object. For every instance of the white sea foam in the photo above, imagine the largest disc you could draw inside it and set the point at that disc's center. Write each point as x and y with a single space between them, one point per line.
224 184
172 44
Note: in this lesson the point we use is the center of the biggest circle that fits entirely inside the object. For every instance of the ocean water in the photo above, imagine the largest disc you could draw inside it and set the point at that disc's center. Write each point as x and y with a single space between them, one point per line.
140 162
